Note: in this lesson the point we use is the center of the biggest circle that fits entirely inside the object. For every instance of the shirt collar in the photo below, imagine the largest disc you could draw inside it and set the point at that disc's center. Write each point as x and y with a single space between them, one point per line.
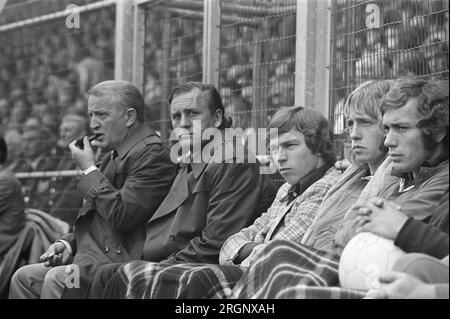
436 161
367 176
137 135
304 183
186 160
408 180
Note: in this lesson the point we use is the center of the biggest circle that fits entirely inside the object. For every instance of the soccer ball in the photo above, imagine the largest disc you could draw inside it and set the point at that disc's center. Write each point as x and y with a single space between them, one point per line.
364 258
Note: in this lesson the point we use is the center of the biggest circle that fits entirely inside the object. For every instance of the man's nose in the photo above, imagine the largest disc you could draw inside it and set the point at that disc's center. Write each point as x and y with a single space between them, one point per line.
94 124
281 155
355 132
185 122
390 139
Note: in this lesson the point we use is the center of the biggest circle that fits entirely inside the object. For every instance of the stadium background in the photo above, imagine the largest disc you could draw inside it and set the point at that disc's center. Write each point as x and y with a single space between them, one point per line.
261 54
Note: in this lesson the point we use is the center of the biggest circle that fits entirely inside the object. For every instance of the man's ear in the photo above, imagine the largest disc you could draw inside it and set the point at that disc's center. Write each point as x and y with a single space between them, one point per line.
439 137
132 116
218 118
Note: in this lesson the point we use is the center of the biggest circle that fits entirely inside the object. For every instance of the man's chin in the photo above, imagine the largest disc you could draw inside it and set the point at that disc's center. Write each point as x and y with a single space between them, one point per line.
401 167
97 144
361 159
291 180
102 145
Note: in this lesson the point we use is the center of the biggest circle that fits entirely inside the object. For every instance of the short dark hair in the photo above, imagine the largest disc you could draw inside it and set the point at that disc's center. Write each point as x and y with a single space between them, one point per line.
128 95
211 94
432 107
312 124
3 151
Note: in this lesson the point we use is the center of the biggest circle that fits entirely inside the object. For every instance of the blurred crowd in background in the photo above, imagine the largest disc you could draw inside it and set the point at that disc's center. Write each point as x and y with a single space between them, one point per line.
45 70
382 40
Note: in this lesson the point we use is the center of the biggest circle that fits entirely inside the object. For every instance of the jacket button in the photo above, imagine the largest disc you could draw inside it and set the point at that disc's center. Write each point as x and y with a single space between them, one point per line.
118 251
172 237
106 249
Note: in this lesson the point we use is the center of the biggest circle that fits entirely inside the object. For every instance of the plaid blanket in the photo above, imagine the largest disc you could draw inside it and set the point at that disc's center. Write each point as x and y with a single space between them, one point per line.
288 270
148 280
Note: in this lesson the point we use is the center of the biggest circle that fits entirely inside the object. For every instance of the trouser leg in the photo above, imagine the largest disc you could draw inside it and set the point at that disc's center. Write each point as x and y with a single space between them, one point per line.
27 282
428 269
102 276
55 282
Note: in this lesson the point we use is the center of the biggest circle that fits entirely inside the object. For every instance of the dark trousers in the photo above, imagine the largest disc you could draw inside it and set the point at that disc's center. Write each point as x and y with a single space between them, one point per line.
102 277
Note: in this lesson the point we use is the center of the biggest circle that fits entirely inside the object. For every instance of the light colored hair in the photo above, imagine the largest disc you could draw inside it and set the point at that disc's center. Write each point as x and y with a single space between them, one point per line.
128 96
367 98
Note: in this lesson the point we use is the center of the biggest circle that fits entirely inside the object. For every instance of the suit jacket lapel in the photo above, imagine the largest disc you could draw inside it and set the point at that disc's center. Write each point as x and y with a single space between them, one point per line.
180 189
176 196
279 219
108 168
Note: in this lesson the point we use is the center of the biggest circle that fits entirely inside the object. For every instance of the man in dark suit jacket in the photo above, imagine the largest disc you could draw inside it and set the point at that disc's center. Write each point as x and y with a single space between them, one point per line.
213 196
120 196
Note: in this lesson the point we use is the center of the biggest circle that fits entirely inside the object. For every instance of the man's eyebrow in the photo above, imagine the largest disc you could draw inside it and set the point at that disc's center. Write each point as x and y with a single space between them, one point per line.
363 117
97 110
178 100
398 123
289 141
189 108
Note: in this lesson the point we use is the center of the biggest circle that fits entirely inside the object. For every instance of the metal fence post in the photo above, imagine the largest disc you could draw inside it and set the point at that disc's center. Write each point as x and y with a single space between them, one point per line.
2 5
323 57
139 47
123 64
211 41
312 55
165 73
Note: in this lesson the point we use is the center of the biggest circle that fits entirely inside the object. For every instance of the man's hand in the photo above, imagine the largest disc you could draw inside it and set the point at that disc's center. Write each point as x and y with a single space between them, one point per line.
56 255
381 217
397 285
342 165
84 158
348 229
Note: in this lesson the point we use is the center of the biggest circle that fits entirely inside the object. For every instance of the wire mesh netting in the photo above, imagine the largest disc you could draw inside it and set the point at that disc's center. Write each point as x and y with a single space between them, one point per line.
383 40
17 10
172 54
257 59
45 70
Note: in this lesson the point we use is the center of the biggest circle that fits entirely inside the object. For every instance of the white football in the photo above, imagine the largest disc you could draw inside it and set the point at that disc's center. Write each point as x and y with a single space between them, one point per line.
364 258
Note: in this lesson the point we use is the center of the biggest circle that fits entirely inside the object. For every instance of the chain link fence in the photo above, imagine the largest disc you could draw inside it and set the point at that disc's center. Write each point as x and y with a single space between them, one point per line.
19 10
46 67
383 40
172 54
257 59
47 63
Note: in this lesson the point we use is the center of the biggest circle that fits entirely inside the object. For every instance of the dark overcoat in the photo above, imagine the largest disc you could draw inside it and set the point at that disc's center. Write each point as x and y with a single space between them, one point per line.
207 203
119 199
